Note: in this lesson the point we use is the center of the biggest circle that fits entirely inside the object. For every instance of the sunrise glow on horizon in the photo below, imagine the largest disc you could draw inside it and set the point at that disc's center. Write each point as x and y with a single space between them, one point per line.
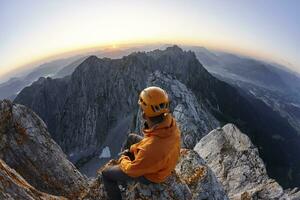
32 30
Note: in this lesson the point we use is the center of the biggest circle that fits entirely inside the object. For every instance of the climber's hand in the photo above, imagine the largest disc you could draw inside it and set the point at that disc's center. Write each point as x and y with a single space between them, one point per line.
126 152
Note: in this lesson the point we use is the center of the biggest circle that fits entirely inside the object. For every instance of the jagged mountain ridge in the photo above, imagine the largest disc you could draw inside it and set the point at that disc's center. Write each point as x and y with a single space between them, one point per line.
60 68
81 110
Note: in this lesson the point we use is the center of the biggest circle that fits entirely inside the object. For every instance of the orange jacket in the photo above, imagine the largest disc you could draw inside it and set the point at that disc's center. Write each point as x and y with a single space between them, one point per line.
157 154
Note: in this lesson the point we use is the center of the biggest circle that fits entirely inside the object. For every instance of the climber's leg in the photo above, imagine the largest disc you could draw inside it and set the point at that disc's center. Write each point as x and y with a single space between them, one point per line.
110 180
132 138
112 175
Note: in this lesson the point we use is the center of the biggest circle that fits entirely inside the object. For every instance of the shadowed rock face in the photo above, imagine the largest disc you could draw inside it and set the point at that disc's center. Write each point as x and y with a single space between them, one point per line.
236 163
13 186
26 146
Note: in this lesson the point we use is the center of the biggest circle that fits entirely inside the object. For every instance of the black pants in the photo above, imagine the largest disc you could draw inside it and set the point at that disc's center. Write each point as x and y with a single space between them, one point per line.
112 175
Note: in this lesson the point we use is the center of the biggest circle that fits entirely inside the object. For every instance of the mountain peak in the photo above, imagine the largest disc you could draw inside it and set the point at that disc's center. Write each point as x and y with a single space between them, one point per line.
174 48
91 59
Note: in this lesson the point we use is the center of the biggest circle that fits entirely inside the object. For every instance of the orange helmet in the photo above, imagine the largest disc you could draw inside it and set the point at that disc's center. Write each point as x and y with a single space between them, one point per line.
154 101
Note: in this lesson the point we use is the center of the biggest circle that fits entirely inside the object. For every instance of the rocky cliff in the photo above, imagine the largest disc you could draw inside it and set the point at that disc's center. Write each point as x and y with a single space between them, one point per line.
26 146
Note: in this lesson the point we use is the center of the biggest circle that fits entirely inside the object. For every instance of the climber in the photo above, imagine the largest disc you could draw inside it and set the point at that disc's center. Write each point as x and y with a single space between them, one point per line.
152 158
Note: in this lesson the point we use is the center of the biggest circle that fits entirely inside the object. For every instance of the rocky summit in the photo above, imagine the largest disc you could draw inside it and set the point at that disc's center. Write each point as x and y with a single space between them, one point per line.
224 165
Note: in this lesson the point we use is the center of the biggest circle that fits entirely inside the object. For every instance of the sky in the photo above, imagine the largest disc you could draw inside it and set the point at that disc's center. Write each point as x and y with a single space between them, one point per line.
32 30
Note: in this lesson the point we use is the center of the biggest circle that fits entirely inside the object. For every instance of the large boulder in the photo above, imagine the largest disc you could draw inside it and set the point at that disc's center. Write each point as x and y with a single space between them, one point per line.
13 186
26 146
201 180
237 165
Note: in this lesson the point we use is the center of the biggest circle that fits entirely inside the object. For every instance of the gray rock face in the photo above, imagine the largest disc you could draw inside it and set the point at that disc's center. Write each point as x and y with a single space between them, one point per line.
97 97
237 165
193 117
201 180
26 146
13 186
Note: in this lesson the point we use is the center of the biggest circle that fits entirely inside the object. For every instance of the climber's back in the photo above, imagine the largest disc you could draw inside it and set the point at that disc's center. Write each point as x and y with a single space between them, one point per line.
156 154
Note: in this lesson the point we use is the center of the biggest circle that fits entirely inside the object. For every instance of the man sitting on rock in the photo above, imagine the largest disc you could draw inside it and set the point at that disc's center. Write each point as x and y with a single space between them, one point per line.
148 159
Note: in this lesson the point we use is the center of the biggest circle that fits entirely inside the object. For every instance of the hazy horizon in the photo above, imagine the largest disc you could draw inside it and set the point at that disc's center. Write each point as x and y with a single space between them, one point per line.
26 69
33 31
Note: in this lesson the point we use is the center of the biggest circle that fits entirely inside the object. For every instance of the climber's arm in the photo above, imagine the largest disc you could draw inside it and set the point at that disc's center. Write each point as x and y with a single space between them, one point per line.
144 163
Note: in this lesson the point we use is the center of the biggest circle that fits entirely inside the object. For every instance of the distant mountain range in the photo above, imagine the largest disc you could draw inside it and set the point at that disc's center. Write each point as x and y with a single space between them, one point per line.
270 76
273 84
13 86
88 110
